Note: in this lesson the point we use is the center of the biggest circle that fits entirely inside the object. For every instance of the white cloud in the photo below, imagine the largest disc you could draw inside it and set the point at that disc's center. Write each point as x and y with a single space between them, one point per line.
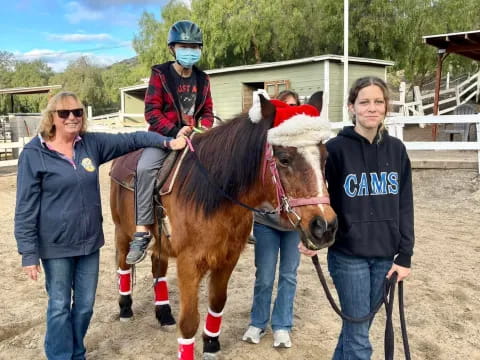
76 38
76 13
101 4
58 60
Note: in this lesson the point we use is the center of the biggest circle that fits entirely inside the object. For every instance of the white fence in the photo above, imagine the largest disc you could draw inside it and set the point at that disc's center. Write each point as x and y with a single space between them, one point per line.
395 125
466 91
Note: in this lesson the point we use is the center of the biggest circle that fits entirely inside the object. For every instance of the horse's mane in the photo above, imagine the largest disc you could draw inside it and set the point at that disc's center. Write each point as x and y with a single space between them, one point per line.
232 155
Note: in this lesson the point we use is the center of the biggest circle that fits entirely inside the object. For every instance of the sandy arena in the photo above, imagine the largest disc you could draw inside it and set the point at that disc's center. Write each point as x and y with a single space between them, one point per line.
442 295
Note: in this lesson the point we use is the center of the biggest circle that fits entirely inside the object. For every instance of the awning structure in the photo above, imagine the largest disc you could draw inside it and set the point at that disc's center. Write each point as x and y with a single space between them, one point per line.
464 43
28 91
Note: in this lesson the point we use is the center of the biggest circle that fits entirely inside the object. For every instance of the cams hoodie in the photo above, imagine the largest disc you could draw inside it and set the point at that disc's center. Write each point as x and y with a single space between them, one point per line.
370 188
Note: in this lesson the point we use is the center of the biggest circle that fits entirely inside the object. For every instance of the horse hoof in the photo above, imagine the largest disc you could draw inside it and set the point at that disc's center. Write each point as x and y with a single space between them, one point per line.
164 315
168 328
125 303
126 319
211 346
211 356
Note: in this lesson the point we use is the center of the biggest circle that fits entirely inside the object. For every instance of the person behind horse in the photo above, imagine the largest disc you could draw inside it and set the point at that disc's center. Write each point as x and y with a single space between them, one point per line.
58 216
291 98
370 186
178 99
274 238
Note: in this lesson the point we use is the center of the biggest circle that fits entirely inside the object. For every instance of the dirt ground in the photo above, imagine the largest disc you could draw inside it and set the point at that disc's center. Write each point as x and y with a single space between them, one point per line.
442 295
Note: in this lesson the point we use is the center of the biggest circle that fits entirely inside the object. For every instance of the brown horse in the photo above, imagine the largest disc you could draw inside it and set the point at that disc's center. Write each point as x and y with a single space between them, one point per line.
209 230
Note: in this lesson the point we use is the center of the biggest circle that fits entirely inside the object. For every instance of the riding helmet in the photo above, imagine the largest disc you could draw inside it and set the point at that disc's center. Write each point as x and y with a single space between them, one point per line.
185 32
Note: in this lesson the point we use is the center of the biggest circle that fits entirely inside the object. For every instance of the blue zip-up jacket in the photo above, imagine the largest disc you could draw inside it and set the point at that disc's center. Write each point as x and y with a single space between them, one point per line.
58 211
370 187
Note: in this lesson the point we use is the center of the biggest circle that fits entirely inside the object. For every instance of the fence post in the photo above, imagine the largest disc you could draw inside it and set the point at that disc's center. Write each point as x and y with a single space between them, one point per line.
477 97
89 113
121 118
418 99
477 125
403 109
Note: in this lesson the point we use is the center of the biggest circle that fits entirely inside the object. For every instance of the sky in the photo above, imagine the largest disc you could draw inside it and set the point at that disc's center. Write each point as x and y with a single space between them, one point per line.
60 31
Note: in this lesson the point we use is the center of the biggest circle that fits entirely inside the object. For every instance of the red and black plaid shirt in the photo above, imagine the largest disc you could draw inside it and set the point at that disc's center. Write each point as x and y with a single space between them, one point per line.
162 106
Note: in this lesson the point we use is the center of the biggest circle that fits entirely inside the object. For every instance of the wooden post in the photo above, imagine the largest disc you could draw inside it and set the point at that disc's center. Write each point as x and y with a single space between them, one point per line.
477 97
89 113
419 101
402 90
438 80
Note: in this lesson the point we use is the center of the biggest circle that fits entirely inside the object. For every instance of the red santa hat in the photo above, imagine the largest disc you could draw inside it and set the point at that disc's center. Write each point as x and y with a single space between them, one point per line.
295 126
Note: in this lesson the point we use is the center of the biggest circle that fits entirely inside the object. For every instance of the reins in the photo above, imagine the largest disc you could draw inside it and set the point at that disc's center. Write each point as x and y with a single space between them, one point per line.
217 187
388 299
284 202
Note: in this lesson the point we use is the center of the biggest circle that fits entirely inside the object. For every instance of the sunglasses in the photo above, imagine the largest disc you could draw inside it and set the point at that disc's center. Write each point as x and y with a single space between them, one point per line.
64 114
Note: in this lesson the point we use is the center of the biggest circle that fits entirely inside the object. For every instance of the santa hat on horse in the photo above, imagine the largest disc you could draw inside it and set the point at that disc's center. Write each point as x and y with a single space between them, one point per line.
293 125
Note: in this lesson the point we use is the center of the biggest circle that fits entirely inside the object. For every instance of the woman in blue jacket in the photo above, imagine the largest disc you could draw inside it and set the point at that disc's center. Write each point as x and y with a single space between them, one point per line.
58 216
370 185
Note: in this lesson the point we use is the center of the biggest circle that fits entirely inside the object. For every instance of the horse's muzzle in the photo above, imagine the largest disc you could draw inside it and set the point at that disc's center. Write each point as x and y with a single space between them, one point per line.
322 233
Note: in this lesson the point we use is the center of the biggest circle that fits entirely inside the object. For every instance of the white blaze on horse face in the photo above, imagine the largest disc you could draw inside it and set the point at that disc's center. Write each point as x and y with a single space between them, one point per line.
312 156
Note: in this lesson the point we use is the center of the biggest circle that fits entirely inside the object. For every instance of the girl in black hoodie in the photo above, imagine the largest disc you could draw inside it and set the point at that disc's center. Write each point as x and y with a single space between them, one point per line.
370 186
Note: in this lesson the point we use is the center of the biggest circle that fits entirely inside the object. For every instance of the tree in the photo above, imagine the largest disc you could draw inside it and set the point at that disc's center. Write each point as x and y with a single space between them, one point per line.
117 76
151 43
83 78
6 71
393 30
28 74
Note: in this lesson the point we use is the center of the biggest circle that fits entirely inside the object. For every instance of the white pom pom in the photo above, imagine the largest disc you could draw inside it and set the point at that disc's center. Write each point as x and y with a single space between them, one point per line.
255 112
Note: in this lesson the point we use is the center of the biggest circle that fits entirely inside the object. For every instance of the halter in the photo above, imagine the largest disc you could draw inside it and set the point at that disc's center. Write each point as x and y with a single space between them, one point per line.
285 203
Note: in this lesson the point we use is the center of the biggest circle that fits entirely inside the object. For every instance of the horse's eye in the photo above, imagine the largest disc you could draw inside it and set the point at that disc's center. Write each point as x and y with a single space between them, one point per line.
284 161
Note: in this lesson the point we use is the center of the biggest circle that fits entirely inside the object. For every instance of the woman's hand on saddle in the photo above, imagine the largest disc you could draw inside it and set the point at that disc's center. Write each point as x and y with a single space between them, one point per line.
402 272
178 143
185 131
306 251
32 271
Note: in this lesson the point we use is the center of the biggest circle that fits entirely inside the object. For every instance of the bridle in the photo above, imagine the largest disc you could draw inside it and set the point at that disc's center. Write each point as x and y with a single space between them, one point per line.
285 203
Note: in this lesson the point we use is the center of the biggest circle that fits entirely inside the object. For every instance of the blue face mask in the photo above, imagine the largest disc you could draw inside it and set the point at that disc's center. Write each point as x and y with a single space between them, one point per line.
187 57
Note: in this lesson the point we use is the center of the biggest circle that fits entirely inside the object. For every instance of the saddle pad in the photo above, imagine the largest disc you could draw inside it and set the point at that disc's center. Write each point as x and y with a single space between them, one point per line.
124 168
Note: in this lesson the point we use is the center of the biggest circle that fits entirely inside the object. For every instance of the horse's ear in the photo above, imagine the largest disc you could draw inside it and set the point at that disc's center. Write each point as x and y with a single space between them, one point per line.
261 107
268 109
316 100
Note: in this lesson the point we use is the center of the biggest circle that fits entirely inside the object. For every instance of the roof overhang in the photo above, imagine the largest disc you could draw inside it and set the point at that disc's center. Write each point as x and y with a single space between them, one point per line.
464 43
313 59
139 89
30 90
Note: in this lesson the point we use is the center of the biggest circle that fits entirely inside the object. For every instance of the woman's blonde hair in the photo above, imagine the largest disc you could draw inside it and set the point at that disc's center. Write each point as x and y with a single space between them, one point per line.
363 82
46 127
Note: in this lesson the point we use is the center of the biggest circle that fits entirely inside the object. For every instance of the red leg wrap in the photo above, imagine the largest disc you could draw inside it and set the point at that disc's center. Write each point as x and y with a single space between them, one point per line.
124 281
213 323
186 349
161 291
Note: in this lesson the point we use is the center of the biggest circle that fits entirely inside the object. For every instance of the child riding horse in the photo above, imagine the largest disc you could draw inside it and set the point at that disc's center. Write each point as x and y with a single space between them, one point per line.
246 162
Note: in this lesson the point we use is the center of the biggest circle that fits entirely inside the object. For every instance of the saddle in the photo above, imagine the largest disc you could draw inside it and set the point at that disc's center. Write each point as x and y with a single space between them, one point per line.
124 168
